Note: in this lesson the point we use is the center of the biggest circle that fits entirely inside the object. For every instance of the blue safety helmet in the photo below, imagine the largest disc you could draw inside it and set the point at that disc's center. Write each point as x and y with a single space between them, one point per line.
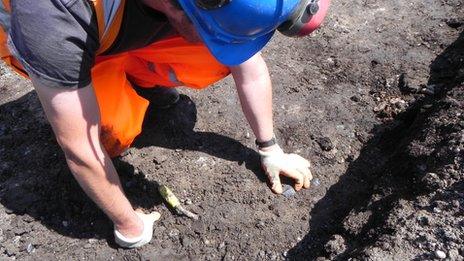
235 30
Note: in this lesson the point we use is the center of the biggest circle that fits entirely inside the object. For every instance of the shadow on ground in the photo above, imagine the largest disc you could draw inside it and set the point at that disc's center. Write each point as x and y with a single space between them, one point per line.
174 129
35 180
358 205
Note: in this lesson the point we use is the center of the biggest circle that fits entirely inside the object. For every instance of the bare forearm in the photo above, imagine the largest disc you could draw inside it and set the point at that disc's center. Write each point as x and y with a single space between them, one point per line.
74 116
255 92
97 176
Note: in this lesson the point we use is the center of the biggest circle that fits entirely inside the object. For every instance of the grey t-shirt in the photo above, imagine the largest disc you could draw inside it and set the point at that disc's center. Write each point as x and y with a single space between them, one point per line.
57 40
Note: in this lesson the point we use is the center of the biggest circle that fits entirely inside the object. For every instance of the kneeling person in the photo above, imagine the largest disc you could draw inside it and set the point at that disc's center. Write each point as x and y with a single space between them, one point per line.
84 59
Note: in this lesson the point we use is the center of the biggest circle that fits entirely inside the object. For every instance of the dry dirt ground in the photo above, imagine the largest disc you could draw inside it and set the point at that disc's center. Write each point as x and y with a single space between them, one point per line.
374 99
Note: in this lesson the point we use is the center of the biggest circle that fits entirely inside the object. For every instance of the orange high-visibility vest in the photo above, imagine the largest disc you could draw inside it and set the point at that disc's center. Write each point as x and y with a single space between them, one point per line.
169 62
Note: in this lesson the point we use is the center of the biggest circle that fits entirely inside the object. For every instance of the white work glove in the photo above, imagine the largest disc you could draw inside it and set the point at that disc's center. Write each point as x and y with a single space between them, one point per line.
147 233
275 162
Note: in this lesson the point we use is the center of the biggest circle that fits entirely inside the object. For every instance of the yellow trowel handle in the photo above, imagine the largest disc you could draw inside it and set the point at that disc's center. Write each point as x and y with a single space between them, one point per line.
170 198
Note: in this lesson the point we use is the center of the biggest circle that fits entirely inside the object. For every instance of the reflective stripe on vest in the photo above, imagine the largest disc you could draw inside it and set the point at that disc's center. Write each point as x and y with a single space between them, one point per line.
110 10
109 17
4 17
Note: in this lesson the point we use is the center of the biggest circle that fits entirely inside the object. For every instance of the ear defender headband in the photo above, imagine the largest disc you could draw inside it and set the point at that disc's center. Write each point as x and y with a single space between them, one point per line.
304 20
235 30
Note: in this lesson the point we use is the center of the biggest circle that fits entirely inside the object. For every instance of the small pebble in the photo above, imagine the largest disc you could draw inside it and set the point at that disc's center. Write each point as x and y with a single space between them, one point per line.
325 143
335 246
65 223
186 241
316 182
260 224
380 107
423 220
432 181
288 191
272 256
16 240
174 233
396 100
355 98
440 254
453 254
29 248
188 201
431 89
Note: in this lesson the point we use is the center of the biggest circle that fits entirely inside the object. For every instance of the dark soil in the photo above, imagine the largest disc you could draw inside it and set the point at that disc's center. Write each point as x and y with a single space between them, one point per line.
375 100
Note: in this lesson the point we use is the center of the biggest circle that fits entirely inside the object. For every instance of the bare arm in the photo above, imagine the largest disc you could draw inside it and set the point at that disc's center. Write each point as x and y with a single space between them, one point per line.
75 118
255 92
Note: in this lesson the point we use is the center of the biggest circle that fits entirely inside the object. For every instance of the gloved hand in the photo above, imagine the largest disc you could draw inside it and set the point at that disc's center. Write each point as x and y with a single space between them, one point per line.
147 233
275 162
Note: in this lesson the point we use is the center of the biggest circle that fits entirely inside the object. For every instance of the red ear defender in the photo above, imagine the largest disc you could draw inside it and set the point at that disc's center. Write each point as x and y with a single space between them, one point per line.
306 18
